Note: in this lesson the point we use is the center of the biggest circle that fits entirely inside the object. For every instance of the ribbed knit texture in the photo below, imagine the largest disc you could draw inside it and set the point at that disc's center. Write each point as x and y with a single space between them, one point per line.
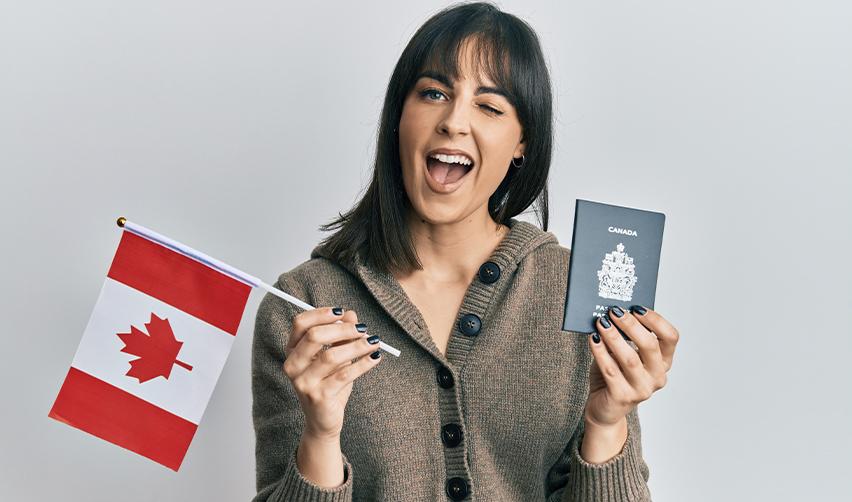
520 388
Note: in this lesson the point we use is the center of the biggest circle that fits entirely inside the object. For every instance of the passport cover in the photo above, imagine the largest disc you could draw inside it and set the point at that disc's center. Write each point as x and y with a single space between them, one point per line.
615 256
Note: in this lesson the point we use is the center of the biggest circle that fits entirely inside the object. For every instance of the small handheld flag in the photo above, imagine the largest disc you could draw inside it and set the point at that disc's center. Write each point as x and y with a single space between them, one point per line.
155 345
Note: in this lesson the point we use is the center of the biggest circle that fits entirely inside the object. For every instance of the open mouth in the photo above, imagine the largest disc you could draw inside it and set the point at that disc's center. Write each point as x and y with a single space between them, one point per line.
448 169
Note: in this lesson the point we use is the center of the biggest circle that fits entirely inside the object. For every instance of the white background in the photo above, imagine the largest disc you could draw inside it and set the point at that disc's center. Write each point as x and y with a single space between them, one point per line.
239 127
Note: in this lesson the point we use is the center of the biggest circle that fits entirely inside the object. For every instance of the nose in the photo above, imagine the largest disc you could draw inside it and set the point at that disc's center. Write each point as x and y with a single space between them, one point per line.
456 120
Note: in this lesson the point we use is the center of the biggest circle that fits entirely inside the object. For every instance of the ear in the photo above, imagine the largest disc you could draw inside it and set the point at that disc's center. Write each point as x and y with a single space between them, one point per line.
519 150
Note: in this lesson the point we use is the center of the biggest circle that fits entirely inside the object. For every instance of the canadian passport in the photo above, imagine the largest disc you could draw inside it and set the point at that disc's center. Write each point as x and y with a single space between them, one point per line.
615 257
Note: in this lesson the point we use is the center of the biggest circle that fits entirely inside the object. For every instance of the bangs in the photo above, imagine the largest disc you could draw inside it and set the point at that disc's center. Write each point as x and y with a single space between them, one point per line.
492 55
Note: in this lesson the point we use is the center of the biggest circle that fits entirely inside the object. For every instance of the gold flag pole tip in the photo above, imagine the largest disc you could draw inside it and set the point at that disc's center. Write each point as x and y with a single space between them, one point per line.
120 221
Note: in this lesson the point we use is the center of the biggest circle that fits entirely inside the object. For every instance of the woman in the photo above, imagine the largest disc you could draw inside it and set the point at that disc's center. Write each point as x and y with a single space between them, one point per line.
489 400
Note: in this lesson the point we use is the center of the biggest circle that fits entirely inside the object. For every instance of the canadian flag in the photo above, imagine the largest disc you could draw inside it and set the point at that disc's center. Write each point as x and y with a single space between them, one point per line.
152 351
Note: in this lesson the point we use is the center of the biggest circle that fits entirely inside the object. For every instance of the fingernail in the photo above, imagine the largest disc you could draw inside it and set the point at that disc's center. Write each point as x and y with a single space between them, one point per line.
337 311
638 309
615 309
373 339
605 322
596 338
361 327
377 354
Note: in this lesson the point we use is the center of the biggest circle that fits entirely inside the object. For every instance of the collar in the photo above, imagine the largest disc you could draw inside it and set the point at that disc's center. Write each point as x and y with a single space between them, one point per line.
522 239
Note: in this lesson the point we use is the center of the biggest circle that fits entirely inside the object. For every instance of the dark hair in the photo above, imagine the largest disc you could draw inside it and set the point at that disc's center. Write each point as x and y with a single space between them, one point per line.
508 51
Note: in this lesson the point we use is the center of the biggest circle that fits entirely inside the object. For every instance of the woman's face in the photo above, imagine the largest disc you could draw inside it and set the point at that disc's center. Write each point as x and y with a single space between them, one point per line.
456 141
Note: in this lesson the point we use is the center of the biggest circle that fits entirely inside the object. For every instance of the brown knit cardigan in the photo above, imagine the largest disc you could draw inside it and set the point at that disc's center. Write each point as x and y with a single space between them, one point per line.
500 418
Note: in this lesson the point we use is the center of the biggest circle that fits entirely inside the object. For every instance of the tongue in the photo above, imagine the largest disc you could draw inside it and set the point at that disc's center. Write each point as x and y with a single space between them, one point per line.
446 173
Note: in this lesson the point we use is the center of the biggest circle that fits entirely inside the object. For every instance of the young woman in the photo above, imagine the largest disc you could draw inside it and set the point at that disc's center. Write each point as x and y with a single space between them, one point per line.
490 399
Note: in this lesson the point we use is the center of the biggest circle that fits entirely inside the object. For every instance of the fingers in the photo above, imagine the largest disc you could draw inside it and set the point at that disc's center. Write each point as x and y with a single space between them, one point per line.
618 386
309 318
351 317
320 390
347 374
667 335
314 337
632 376
319 376
641 382
337 359
646 342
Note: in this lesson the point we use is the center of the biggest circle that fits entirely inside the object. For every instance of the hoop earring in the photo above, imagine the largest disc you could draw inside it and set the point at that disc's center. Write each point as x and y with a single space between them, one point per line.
523 159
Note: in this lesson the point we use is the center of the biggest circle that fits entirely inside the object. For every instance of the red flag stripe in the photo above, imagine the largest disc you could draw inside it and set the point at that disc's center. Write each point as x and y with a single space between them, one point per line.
180 281
121 418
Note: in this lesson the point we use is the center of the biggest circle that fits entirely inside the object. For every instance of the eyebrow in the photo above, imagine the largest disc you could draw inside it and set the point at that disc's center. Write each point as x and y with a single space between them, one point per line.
440 77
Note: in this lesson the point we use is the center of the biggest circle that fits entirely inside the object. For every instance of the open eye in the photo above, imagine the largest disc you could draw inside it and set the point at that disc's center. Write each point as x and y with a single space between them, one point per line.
431 94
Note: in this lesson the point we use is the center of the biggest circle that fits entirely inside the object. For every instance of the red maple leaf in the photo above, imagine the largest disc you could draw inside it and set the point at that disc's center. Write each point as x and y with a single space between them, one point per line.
157 352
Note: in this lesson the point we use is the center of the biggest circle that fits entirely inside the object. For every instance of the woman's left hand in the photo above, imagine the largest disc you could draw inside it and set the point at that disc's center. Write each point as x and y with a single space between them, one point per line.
621 377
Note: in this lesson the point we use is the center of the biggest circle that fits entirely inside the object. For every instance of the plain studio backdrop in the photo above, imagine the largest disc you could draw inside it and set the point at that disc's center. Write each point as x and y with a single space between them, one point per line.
239 127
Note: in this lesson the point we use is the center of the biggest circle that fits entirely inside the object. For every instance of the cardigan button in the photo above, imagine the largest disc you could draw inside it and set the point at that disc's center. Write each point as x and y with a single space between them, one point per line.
470 324
489 272
457 488
451 435
445 378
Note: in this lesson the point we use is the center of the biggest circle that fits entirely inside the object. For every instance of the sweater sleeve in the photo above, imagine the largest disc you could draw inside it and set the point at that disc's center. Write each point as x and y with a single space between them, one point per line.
277 414
620 479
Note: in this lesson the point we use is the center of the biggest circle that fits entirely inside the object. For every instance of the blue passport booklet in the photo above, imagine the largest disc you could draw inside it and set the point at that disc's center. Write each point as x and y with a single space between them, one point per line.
615 256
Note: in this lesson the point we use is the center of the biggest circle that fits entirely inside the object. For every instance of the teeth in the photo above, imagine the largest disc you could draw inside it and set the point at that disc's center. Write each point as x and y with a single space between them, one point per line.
453 159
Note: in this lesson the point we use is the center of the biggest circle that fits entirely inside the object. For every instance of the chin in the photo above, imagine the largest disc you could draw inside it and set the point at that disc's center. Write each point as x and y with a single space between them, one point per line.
440 212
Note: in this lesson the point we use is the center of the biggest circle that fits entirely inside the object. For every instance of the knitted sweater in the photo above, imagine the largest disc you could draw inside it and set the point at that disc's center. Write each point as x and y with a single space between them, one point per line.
500 418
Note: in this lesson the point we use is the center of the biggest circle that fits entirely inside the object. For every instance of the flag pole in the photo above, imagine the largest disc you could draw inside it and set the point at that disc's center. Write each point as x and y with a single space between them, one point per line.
223 268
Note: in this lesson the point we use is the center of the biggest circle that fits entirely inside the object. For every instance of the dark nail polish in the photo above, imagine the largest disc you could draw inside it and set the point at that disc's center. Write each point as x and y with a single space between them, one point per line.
337 311
638 309
373 339
605 322
377 354
615 309
596 338
361 327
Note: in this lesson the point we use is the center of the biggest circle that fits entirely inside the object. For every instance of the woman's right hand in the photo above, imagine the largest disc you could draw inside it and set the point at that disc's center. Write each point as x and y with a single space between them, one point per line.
323 379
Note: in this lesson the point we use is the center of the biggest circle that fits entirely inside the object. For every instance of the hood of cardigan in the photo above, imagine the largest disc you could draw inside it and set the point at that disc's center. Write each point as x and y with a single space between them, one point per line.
523 238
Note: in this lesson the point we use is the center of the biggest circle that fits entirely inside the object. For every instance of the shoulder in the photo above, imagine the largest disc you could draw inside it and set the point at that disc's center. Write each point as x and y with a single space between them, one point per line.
541 248
315 279
550 252
311 281
550 258
543 266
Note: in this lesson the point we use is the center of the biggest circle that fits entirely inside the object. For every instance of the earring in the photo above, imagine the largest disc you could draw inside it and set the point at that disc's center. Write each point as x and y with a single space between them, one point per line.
523 158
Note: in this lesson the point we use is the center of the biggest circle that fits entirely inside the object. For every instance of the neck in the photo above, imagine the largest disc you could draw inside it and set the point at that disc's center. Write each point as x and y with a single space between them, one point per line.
453 252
